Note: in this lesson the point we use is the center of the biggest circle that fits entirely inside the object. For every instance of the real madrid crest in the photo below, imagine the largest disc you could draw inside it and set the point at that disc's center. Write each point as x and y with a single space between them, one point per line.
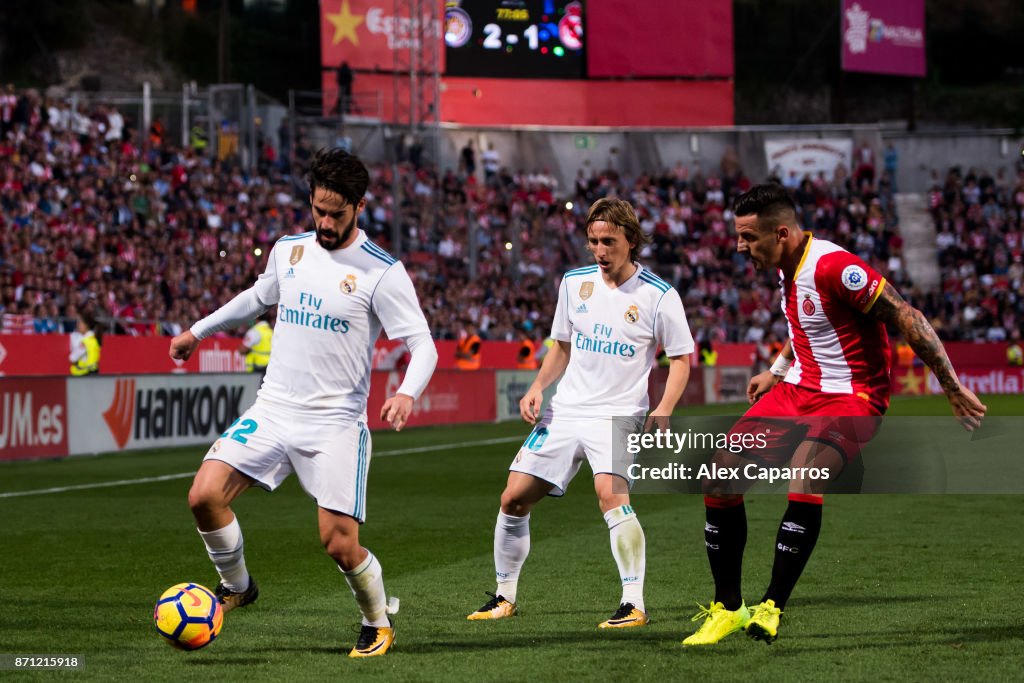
632 314
586 289
808 305
348 285
296 254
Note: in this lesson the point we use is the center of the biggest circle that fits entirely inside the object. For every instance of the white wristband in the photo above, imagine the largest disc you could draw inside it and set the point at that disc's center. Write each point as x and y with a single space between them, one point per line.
781 366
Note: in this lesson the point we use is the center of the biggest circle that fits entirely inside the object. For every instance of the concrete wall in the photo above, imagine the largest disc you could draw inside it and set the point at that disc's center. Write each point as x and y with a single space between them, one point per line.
567 151
920 153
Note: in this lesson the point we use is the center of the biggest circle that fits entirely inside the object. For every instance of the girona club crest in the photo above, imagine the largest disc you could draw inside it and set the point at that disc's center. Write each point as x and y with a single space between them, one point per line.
808 305
296 254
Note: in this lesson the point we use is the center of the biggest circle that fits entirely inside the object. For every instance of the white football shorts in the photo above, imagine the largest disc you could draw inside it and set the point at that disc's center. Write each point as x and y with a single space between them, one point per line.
331 461
557 447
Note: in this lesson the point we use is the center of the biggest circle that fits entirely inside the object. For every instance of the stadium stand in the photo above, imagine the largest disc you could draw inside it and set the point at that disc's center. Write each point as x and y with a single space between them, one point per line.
95 214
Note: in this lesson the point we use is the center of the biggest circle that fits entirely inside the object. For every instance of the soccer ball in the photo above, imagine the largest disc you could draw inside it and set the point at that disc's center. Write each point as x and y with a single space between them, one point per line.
188 616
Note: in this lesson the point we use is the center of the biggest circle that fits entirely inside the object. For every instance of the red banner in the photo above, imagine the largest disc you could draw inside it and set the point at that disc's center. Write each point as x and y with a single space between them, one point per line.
692 396
884 37
34 354
366 33
919 381
452 397
679 38
493 355
498 101
122 355
33 418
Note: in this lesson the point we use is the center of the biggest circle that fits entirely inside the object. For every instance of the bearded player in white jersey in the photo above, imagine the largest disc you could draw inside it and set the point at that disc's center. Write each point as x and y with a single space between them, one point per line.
609 321
334 290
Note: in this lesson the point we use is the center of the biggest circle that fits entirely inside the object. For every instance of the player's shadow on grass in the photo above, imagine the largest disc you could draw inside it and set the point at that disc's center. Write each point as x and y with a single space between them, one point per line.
582 641
872 600
951 636
258 655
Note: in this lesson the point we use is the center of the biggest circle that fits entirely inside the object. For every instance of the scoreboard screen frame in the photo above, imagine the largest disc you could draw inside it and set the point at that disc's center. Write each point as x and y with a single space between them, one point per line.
516 39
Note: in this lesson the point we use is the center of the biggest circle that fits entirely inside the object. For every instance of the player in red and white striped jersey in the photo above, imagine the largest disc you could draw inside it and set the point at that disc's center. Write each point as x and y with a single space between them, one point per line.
832 376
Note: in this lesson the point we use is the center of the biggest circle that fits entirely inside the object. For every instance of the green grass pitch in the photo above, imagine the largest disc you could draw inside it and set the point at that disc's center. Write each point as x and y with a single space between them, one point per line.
899 588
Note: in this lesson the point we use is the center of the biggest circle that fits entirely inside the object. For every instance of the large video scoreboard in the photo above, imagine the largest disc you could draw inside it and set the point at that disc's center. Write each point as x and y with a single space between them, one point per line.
515 39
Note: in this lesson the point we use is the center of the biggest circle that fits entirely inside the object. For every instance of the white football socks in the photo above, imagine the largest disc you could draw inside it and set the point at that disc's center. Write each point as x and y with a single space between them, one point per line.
630 552
511 546
226 551
367 584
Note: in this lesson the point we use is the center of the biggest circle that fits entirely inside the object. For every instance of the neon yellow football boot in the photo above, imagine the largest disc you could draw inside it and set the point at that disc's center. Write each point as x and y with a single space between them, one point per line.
764 625
718 623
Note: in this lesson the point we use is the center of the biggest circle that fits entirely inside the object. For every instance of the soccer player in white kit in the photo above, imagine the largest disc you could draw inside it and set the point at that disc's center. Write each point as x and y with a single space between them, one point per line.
334 290
609 321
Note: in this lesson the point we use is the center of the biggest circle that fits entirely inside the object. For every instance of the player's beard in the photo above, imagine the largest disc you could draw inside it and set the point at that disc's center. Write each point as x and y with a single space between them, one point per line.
332 240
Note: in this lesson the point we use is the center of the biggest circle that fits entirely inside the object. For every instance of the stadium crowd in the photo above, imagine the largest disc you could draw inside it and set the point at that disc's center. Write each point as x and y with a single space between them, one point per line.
151 236
978 224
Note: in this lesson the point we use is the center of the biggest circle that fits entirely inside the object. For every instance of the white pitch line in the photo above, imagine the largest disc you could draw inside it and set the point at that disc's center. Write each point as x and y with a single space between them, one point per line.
97 485
183 475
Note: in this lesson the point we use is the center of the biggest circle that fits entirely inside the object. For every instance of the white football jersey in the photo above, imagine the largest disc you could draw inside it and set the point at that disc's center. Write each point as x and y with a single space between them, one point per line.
331 307
614 334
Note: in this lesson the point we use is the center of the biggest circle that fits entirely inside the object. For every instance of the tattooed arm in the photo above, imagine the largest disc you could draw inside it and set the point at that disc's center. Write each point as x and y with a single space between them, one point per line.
892 309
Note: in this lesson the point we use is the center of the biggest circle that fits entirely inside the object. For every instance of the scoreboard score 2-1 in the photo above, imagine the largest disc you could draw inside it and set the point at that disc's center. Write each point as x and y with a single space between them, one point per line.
514 38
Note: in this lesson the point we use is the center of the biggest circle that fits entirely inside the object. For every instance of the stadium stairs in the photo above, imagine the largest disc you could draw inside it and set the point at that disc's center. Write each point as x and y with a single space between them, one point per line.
918 231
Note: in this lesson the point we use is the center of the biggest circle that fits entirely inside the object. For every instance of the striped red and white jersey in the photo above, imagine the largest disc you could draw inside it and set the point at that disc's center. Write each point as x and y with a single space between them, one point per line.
838 347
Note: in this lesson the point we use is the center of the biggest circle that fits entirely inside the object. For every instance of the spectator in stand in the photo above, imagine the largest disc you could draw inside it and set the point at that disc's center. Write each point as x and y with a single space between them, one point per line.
864 165
8 103
345 78
491 159
467 160
891 159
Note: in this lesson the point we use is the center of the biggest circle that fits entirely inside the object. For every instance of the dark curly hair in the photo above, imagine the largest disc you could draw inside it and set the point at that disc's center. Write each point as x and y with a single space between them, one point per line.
340 172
